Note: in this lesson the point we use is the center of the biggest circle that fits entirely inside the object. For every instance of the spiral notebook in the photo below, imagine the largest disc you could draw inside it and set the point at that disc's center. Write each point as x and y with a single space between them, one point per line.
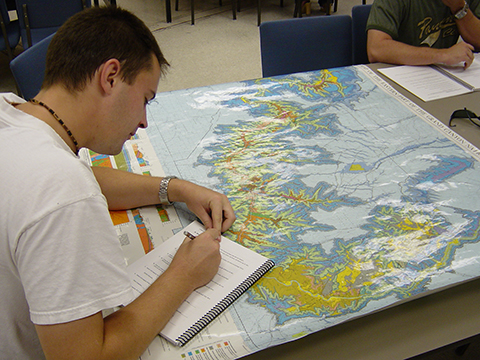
239 269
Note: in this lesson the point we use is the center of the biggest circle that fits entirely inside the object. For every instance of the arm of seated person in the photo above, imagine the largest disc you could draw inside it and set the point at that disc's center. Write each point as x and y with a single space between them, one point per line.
125 334
125 190
468 26
382 48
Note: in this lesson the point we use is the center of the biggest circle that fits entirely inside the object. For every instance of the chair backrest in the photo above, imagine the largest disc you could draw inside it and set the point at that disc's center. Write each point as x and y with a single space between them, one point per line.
41 18
305 44
359 22
28 68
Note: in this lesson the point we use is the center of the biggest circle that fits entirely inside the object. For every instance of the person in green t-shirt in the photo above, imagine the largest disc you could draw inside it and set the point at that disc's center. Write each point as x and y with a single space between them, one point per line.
423 32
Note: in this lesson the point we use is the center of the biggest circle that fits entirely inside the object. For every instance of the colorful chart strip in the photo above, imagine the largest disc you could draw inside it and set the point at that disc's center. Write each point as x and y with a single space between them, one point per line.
163 214
119 217
100 160
139 155
142 231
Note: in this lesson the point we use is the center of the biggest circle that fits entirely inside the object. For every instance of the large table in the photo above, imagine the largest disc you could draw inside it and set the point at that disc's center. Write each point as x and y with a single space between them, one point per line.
337 156
409 329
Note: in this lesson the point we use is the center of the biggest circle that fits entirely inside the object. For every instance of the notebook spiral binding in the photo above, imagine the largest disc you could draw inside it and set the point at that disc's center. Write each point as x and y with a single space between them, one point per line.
222 305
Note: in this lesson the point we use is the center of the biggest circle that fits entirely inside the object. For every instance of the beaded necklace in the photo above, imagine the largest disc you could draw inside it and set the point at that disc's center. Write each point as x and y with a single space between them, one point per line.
54 114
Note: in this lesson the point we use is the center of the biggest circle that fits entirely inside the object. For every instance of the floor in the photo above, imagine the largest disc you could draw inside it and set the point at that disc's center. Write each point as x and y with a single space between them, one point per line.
217 49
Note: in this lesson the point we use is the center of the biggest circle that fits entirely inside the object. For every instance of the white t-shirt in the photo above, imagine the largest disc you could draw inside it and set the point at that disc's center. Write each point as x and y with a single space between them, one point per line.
60 259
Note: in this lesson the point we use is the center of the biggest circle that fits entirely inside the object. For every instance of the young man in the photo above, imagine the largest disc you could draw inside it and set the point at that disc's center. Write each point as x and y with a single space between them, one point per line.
423 32
60 260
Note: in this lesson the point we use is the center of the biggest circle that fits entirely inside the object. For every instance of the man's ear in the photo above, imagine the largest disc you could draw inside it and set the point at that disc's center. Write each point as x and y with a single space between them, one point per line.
109 75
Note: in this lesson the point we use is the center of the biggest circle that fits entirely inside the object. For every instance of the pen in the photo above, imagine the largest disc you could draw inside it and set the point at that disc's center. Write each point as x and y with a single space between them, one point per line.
189 235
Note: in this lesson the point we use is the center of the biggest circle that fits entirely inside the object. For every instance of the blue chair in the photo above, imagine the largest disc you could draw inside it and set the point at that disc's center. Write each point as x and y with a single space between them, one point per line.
10 31
41 18
306 44
359 22
28 68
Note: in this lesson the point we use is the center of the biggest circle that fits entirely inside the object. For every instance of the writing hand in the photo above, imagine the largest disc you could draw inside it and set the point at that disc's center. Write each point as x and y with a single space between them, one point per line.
461 52
197 261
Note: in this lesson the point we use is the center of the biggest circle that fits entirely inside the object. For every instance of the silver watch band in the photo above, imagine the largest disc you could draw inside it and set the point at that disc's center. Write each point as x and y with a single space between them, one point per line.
163 190
462 12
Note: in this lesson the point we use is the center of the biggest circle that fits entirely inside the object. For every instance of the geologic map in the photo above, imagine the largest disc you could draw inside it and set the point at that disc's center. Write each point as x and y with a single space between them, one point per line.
361 199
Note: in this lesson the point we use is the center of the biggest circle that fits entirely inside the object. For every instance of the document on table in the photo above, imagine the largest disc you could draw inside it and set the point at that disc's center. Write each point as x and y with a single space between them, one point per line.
437 81
424 82
469 77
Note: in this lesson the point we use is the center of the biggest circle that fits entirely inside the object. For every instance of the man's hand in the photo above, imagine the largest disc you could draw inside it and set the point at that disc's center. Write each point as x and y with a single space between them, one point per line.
213 208
459 53
197 260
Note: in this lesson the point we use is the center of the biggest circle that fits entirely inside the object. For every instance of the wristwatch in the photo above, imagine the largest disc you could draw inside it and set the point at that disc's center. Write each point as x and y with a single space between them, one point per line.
460 14
163 191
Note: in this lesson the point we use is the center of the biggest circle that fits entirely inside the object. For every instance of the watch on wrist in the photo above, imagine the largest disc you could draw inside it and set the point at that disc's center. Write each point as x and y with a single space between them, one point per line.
163 190
460 14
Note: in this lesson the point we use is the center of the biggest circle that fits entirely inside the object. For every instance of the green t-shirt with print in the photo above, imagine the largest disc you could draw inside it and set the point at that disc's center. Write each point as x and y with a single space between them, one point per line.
417 22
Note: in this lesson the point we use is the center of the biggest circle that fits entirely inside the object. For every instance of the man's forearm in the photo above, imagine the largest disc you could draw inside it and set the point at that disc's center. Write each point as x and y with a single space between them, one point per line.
469 28
145 317
125 190
126 333
382 48
469 25
395 52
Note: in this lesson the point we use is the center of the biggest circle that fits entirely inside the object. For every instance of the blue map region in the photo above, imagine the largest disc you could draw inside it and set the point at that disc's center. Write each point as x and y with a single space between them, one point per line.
359 200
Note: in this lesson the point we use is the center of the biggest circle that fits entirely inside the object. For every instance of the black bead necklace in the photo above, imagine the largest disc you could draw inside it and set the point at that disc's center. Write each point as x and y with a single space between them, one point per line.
54 114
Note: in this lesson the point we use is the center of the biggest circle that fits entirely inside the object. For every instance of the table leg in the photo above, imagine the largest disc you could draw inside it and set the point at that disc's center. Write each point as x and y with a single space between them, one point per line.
168 10
234 9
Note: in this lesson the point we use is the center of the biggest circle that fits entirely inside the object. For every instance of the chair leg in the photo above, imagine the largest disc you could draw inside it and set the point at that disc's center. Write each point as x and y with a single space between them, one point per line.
297 12
192 11
234 9
364 2
259 12
336 6
176 5
168 10
329 8
5 39
27 25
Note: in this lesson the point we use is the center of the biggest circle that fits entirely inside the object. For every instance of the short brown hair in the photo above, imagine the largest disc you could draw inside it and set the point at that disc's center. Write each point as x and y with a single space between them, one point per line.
93 36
